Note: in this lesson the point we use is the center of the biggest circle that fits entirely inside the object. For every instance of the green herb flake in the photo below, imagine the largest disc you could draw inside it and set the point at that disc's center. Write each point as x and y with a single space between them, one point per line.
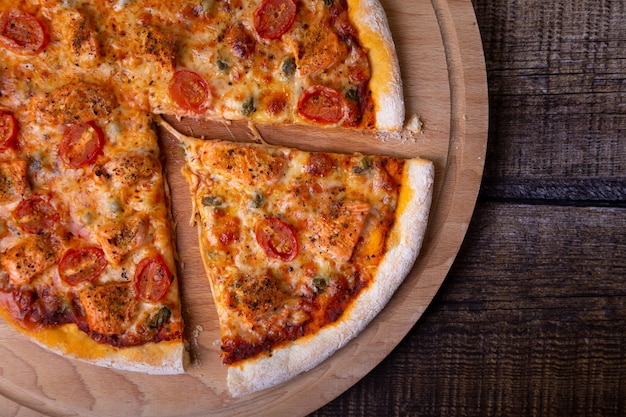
222 65
257 200
366 164
352 94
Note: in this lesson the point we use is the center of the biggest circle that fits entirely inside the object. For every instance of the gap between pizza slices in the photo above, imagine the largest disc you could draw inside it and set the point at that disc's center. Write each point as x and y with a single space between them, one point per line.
87 265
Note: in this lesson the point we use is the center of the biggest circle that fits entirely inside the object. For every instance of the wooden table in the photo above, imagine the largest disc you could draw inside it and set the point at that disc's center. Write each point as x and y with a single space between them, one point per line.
531 319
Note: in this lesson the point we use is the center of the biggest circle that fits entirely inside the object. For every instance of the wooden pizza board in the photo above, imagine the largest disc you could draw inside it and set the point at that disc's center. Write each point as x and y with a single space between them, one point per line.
444 77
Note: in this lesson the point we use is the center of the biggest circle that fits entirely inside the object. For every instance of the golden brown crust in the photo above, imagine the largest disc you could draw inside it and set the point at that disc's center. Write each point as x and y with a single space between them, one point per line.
370 19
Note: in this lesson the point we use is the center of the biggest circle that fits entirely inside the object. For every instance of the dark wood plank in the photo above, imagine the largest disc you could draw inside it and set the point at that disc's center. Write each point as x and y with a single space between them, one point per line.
599 191
557 89
530 319
529 322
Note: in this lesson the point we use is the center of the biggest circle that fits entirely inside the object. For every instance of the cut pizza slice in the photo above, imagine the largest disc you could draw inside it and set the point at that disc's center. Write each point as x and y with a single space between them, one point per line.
327 64
302 249
87 265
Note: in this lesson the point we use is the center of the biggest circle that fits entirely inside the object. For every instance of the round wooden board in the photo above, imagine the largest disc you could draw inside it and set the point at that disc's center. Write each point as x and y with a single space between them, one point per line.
441 58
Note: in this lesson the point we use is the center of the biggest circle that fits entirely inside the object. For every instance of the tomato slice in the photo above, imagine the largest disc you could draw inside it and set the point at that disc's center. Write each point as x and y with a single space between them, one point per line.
35 215
8 130
190 91
82 142
152 279
321 104
84 264
277 239
22 33
274 17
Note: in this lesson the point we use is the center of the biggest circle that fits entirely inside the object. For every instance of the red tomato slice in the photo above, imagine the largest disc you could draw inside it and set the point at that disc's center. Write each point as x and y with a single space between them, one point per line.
190 91
22 33
82 142
152 279
35 215
274 17
8 130
321 104
78 265
277 239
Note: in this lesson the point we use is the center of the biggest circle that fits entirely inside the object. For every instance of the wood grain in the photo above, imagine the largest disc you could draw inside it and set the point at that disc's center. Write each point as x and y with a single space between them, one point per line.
445 84
530 320
557 91
516 330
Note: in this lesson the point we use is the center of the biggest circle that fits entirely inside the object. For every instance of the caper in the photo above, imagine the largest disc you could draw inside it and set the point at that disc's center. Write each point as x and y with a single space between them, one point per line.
212 200
247 108
160 318
257 200
320 283
289 66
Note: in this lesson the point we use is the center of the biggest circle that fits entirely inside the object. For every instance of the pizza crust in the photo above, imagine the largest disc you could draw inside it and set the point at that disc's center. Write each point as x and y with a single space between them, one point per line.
163 358
405 239
370 19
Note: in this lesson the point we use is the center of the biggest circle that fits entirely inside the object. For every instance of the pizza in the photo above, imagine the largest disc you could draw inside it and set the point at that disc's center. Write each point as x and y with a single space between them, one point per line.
87 266
87 253
324 63
301 249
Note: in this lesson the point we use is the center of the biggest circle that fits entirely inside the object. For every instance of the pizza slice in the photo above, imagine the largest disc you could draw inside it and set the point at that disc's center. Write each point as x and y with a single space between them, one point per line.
321 63
86 251
301 249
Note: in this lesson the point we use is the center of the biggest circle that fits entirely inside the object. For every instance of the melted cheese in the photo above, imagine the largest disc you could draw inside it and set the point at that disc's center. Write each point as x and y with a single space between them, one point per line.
117 202
112 63
137 46
260 298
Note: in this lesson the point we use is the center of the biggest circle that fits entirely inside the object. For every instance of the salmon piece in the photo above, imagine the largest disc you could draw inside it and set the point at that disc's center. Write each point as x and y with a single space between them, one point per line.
82 37
109 308
316 48
76 102
255 297
157 47
118 239
337 228
13 181
245 164
127 170
30 257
